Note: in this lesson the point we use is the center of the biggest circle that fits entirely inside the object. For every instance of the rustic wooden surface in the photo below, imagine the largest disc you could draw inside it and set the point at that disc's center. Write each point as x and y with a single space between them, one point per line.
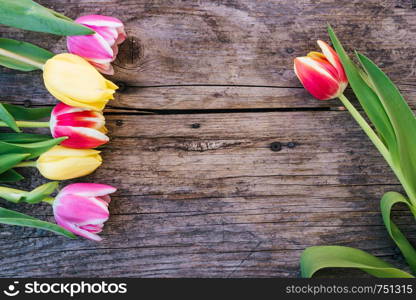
207 86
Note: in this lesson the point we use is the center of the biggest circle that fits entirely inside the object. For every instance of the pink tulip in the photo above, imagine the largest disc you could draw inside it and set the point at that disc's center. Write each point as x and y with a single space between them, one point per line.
101 48
83 127
82 208
322 74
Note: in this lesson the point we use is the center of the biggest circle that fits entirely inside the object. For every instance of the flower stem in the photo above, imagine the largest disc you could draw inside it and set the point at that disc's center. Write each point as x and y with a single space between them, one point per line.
22 59
27 124
26 164
16 196
379 145
10 194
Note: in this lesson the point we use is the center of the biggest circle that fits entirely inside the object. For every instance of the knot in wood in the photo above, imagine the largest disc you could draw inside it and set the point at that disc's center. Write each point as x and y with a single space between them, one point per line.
276 146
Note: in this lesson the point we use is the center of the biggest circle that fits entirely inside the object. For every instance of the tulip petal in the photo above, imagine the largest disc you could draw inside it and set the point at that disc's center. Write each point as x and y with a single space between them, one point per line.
122 35
105 198
80 137
61 108
109 34
75 82
92 228
69 168
78 231
59 151
81 210
92 46
85 119
61 163
103 68
111 85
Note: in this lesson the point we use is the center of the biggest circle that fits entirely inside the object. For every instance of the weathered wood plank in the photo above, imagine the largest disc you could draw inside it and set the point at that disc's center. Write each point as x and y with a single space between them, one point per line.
230 43
214 200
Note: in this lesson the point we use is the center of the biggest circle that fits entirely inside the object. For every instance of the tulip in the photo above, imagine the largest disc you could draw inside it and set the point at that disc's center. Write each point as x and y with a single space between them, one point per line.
322 74
82 208
83 127
61 163
101 48
72 80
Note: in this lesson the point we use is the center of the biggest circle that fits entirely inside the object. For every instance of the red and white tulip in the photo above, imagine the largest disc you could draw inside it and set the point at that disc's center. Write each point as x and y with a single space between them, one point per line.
84 127
322 74
101 48
82 208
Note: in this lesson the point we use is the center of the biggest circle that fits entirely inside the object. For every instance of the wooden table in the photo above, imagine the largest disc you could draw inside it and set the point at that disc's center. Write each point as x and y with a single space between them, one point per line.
226 166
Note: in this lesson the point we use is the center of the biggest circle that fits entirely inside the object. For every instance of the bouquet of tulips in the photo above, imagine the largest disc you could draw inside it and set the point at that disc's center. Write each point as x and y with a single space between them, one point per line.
77 124
391 129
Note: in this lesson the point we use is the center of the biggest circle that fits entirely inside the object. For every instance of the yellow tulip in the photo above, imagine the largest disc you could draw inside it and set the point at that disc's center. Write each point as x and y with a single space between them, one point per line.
72 80
61 163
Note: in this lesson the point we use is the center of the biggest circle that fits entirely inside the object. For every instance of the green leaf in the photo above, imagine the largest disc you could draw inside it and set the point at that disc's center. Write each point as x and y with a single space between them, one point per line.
316 258
401 116
367 97
41 192
387 202
11 217
22 56
9 160
29 15
7 118
35 149
10 176
28 114
23 137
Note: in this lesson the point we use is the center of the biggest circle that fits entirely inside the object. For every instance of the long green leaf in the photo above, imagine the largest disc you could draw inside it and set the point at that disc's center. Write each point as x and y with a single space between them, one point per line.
367 98
29 15
7 118
387 202
34 149
316 258
11 217
28 114
402 119
10 176
22 56
23 137
9 160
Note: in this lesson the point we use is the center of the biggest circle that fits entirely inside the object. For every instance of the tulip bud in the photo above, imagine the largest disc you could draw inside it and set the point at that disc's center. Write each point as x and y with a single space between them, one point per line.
322 74
82 208
61 163
72 80
83 127
101 48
